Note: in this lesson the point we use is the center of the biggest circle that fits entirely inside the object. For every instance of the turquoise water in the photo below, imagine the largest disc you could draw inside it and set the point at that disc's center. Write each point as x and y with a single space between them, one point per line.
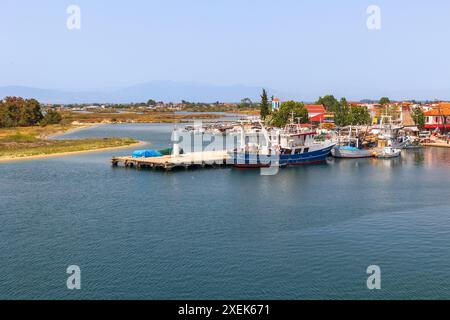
309 232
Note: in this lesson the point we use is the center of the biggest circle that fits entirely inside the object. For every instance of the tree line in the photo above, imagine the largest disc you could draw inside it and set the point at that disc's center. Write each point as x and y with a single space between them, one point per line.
19 112
344 114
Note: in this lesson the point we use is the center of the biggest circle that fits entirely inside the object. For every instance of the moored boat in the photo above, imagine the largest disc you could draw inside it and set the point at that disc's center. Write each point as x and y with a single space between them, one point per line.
294 145
350 152
388 153
350 147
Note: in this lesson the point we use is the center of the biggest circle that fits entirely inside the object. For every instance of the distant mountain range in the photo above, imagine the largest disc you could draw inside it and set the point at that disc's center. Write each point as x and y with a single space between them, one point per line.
167 91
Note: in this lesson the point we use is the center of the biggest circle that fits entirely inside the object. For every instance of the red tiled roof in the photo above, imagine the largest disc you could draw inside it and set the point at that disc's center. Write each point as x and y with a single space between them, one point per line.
315 108
438 112
444 105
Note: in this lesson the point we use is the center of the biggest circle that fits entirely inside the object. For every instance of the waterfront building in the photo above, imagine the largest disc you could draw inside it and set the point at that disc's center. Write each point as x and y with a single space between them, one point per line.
438 116
315 110
326 117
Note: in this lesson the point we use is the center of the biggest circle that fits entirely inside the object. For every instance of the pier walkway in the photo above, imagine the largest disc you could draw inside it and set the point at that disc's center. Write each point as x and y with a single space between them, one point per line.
206 158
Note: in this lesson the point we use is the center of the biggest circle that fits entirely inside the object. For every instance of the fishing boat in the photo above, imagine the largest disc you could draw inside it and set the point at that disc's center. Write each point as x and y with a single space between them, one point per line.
351 147
350 152
293 145
388 153
387 129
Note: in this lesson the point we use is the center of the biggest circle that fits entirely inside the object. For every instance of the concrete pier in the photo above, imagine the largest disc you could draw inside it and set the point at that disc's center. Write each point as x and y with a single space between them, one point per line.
206 158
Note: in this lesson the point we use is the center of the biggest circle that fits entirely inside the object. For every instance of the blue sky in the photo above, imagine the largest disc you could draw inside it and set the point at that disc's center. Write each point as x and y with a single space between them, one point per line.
307 48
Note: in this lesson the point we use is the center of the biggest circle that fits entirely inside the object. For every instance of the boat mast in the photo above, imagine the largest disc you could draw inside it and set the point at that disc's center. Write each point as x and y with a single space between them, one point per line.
357 139
265 133
242 136
350 136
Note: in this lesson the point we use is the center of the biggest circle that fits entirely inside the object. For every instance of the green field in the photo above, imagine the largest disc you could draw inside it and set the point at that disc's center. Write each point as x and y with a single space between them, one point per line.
31 141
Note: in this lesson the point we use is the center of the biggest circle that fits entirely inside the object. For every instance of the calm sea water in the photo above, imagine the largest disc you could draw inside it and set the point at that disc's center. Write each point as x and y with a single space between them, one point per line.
308 232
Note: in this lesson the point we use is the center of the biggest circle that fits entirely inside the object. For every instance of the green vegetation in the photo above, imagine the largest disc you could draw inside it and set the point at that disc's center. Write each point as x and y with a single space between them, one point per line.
289 110
329 102
384 100
359 116
264 105
246 103
18 137
12 147
342 113
418 118
24 131
51 117
351 115
16 112
19 112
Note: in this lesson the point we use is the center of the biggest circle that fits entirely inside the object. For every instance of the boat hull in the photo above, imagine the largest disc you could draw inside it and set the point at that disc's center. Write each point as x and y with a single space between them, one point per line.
339 152
388 155
255 160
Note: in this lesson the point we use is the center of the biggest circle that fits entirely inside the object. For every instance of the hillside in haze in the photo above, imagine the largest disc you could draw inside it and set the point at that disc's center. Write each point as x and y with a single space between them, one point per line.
157 90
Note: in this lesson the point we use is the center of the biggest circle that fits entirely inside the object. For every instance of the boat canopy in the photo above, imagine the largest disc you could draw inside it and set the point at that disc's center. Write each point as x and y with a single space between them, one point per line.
349 148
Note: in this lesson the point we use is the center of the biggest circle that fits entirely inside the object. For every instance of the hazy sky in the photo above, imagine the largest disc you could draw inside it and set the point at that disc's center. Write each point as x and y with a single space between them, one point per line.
308 48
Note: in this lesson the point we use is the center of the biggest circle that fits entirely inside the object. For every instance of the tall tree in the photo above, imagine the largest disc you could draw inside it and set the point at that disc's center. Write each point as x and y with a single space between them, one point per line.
16 111
289 110
351 115
329 102
264 107
30 113
342 113
418 117
359 115
384 100
246 103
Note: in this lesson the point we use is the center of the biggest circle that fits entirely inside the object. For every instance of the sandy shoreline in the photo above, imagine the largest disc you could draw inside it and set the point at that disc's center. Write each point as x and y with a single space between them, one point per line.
75 128
62 154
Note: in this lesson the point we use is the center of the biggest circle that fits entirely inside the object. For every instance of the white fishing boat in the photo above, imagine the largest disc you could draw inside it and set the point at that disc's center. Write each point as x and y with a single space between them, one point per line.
293 145
388 152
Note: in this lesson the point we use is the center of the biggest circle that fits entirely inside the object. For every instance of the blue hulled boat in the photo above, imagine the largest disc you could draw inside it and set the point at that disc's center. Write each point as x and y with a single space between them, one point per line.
294 145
